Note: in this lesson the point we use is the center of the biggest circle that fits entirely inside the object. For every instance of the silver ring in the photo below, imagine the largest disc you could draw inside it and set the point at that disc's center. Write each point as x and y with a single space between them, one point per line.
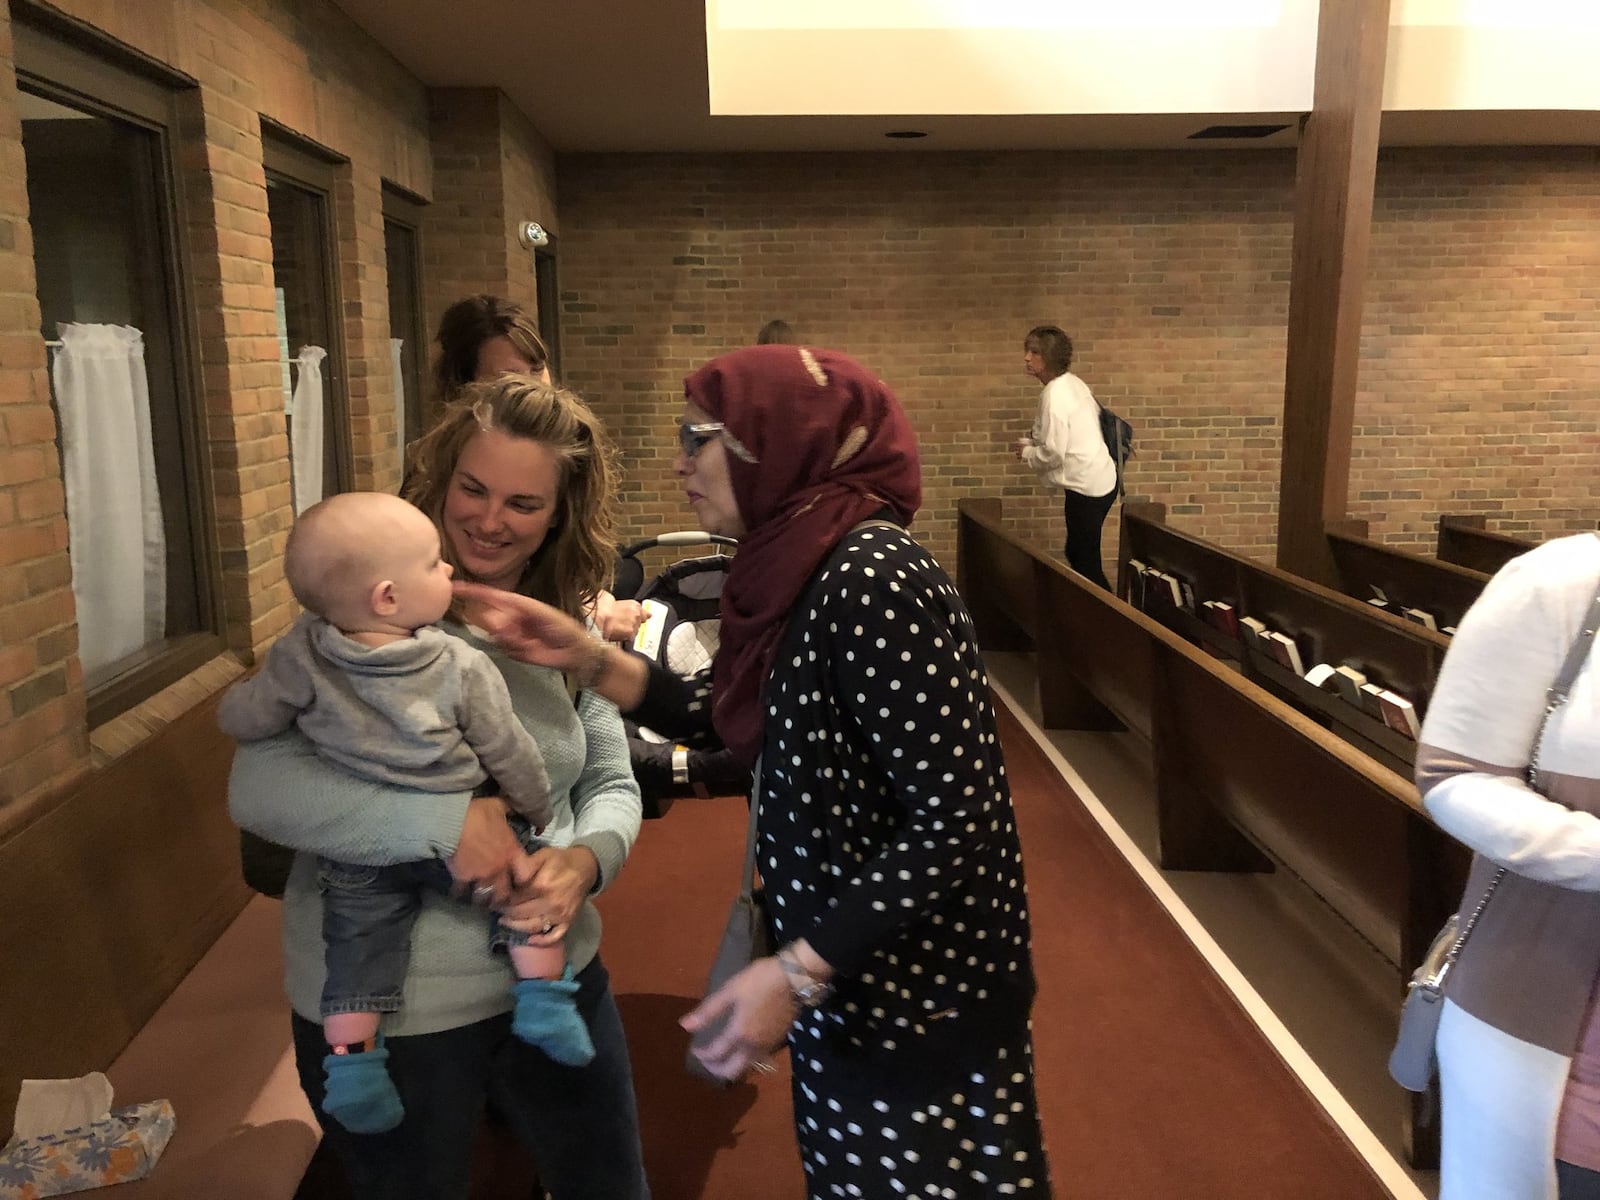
546 927
762 1065
483 892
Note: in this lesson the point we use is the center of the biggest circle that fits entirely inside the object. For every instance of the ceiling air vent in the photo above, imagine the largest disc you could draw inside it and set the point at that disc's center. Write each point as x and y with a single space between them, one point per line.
1236 131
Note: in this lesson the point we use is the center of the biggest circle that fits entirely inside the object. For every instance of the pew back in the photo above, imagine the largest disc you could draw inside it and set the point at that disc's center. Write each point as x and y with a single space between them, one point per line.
1366 567
1465 541
1327 627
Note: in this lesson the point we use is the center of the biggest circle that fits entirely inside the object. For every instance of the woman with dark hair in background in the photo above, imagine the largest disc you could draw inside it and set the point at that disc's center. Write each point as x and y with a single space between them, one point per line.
1067 450
482 337
776 333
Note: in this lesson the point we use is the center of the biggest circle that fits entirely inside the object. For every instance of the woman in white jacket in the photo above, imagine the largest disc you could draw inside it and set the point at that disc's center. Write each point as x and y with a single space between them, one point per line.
1519 1044
1067 450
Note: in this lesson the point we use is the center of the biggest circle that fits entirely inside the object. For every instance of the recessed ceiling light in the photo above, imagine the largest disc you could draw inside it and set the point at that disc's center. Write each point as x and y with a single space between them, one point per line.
905 133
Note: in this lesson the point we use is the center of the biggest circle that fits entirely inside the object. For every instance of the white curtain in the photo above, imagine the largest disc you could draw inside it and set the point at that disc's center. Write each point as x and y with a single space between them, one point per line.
117 540
397 361
305 436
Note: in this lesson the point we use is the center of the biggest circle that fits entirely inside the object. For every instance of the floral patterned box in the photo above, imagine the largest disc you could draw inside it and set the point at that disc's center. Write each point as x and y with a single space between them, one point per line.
120 1147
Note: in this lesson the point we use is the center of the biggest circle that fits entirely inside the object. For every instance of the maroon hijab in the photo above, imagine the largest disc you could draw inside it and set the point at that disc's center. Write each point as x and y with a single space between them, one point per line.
832 448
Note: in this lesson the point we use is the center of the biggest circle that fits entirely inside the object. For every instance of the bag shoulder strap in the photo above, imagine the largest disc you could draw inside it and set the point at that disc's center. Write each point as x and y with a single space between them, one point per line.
747 880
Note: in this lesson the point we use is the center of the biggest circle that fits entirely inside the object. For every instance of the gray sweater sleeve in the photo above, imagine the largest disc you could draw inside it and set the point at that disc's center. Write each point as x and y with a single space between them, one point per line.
268 702
605 800
506 750
283 791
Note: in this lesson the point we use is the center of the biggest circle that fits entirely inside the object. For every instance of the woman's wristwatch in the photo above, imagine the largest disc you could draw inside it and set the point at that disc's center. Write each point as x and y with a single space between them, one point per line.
809 991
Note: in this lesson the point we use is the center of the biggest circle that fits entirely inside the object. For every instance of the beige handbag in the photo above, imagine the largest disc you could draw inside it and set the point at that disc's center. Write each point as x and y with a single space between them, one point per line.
745 938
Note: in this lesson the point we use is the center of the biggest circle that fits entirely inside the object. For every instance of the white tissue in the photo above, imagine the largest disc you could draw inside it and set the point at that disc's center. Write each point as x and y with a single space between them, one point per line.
47 1106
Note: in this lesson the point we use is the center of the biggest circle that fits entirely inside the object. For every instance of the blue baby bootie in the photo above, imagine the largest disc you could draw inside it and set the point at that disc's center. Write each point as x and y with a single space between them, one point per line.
547 1016
359 1093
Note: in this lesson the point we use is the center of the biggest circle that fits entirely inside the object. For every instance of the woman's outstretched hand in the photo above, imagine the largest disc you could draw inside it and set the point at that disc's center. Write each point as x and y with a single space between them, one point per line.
525 629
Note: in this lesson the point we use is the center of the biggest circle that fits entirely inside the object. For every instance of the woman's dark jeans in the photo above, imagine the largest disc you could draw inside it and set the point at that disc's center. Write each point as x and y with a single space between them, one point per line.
581 1124
1086 515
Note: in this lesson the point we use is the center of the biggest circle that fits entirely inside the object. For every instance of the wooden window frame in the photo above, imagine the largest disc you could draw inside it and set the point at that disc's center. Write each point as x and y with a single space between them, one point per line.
67 61
309 168
402 209
547 294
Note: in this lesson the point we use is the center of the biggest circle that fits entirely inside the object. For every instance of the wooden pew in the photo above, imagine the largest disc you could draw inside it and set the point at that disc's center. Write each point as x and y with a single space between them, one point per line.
1237 769
1365 568
1328 626
1465 541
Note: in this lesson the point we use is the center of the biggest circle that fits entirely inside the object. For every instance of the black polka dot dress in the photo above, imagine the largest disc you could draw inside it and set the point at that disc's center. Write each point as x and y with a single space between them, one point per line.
887 839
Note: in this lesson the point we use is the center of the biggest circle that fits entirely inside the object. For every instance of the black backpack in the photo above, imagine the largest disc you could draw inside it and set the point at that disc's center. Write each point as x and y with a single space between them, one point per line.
1118 435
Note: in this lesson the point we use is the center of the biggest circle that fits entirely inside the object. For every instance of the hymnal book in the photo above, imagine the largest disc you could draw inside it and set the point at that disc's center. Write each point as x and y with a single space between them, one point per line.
1252 629
1379 596
1420 616
1185 594
1399 714
1174 589
1221 614
1282 648
1369 700
1382 605
1320 676
1448 630
1136 570
1349 680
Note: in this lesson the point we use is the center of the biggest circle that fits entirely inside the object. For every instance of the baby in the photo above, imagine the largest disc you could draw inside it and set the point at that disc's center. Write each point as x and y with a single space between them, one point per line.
381 692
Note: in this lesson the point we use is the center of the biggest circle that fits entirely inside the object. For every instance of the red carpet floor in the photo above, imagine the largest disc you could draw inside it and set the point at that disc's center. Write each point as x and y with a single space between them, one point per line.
1152 1081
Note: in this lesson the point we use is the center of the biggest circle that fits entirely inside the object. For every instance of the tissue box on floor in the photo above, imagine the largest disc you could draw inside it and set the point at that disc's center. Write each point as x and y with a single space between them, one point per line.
119 1147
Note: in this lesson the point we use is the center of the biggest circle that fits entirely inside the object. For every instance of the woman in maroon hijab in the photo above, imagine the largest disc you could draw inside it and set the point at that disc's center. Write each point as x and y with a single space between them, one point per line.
887 845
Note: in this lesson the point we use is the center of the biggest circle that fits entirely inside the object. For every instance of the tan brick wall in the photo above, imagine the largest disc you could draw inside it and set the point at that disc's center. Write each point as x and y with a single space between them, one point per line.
1170 272
1480 370
530 188
305 65
492 170
42 735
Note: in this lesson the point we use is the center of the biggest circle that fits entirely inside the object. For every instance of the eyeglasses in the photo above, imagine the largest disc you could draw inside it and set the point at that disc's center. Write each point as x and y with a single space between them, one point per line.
694 438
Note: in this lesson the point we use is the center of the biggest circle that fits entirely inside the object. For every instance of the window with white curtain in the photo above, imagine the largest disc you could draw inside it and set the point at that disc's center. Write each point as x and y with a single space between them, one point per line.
104 207
402 251
300 214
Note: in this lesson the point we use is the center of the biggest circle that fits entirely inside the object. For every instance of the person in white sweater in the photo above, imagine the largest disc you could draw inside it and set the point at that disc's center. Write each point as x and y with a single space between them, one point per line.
1519 1045
517 478
1065 448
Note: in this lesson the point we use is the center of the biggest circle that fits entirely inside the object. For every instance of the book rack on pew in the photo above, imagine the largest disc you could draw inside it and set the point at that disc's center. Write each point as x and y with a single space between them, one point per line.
1244 779
1465 541
1418 583
1317 624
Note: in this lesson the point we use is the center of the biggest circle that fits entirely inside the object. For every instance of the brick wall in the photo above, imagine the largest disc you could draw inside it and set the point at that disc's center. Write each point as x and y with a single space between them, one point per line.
492 170
42 734
1480 370
306 66
1170 272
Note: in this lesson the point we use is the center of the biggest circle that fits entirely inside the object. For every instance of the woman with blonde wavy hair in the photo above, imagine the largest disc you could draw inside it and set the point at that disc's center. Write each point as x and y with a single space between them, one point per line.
537 435
518 477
